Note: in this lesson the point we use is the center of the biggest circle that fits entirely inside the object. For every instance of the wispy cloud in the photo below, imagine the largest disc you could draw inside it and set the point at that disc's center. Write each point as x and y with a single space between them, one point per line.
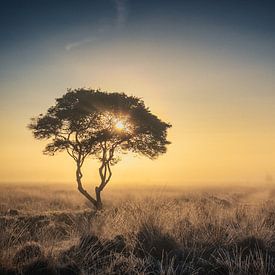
121 12
120 21
79 43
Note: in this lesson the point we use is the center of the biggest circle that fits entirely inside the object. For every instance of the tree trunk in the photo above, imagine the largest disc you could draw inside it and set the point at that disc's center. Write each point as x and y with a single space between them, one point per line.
98 198
97 203
83 191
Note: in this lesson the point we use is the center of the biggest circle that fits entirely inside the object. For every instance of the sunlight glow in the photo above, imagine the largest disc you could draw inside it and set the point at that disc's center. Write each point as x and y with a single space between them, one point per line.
119 125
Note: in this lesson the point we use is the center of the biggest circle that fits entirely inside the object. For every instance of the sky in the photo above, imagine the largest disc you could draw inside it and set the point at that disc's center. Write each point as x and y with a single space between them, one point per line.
205 66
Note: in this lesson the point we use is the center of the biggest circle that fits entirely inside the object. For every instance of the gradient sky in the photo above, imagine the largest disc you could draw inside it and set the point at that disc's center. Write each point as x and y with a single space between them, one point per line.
207 67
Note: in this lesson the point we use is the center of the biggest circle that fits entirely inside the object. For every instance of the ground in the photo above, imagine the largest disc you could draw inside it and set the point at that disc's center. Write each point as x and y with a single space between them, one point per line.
51 229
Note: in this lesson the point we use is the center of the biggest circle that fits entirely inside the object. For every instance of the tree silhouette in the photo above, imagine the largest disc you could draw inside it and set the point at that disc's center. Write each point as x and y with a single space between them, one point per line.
102 125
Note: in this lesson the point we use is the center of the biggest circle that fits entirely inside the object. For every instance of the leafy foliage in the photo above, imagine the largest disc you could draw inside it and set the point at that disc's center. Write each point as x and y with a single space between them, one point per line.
84 118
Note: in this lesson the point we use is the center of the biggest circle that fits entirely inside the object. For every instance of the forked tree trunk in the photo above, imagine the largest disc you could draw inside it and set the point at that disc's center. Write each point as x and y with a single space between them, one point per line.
96 202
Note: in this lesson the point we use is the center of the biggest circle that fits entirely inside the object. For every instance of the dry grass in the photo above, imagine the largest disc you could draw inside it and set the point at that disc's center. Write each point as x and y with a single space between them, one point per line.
217 231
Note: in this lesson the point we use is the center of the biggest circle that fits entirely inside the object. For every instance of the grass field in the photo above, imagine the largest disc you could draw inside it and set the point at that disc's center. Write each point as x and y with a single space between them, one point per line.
52 230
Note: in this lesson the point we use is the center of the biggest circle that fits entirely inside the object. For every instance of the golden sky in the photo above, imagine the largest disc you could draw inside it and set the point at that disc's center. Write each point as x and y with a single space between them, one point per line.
220 101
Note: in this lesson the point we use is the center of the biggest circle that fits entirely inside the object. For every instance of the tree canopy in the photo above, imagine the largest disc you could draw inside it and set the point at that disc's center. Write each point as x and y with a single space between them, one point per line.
86 122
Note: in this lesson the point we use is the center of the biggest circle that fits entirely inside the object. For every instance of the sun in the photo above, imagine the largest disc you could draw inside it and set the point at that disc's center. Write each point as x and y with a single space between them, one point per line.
119 125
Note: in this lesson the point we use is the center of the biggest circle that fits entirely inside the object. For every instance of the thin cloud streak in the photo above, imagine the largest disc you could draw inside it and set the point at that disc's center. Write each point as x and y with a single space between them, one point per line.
122 13
77 44
87 40
120 21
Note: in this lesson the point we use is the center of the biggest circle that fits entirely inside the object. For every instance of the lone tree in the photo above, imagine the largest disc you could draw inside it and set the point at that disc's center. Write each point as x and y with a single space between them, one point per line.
103 125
